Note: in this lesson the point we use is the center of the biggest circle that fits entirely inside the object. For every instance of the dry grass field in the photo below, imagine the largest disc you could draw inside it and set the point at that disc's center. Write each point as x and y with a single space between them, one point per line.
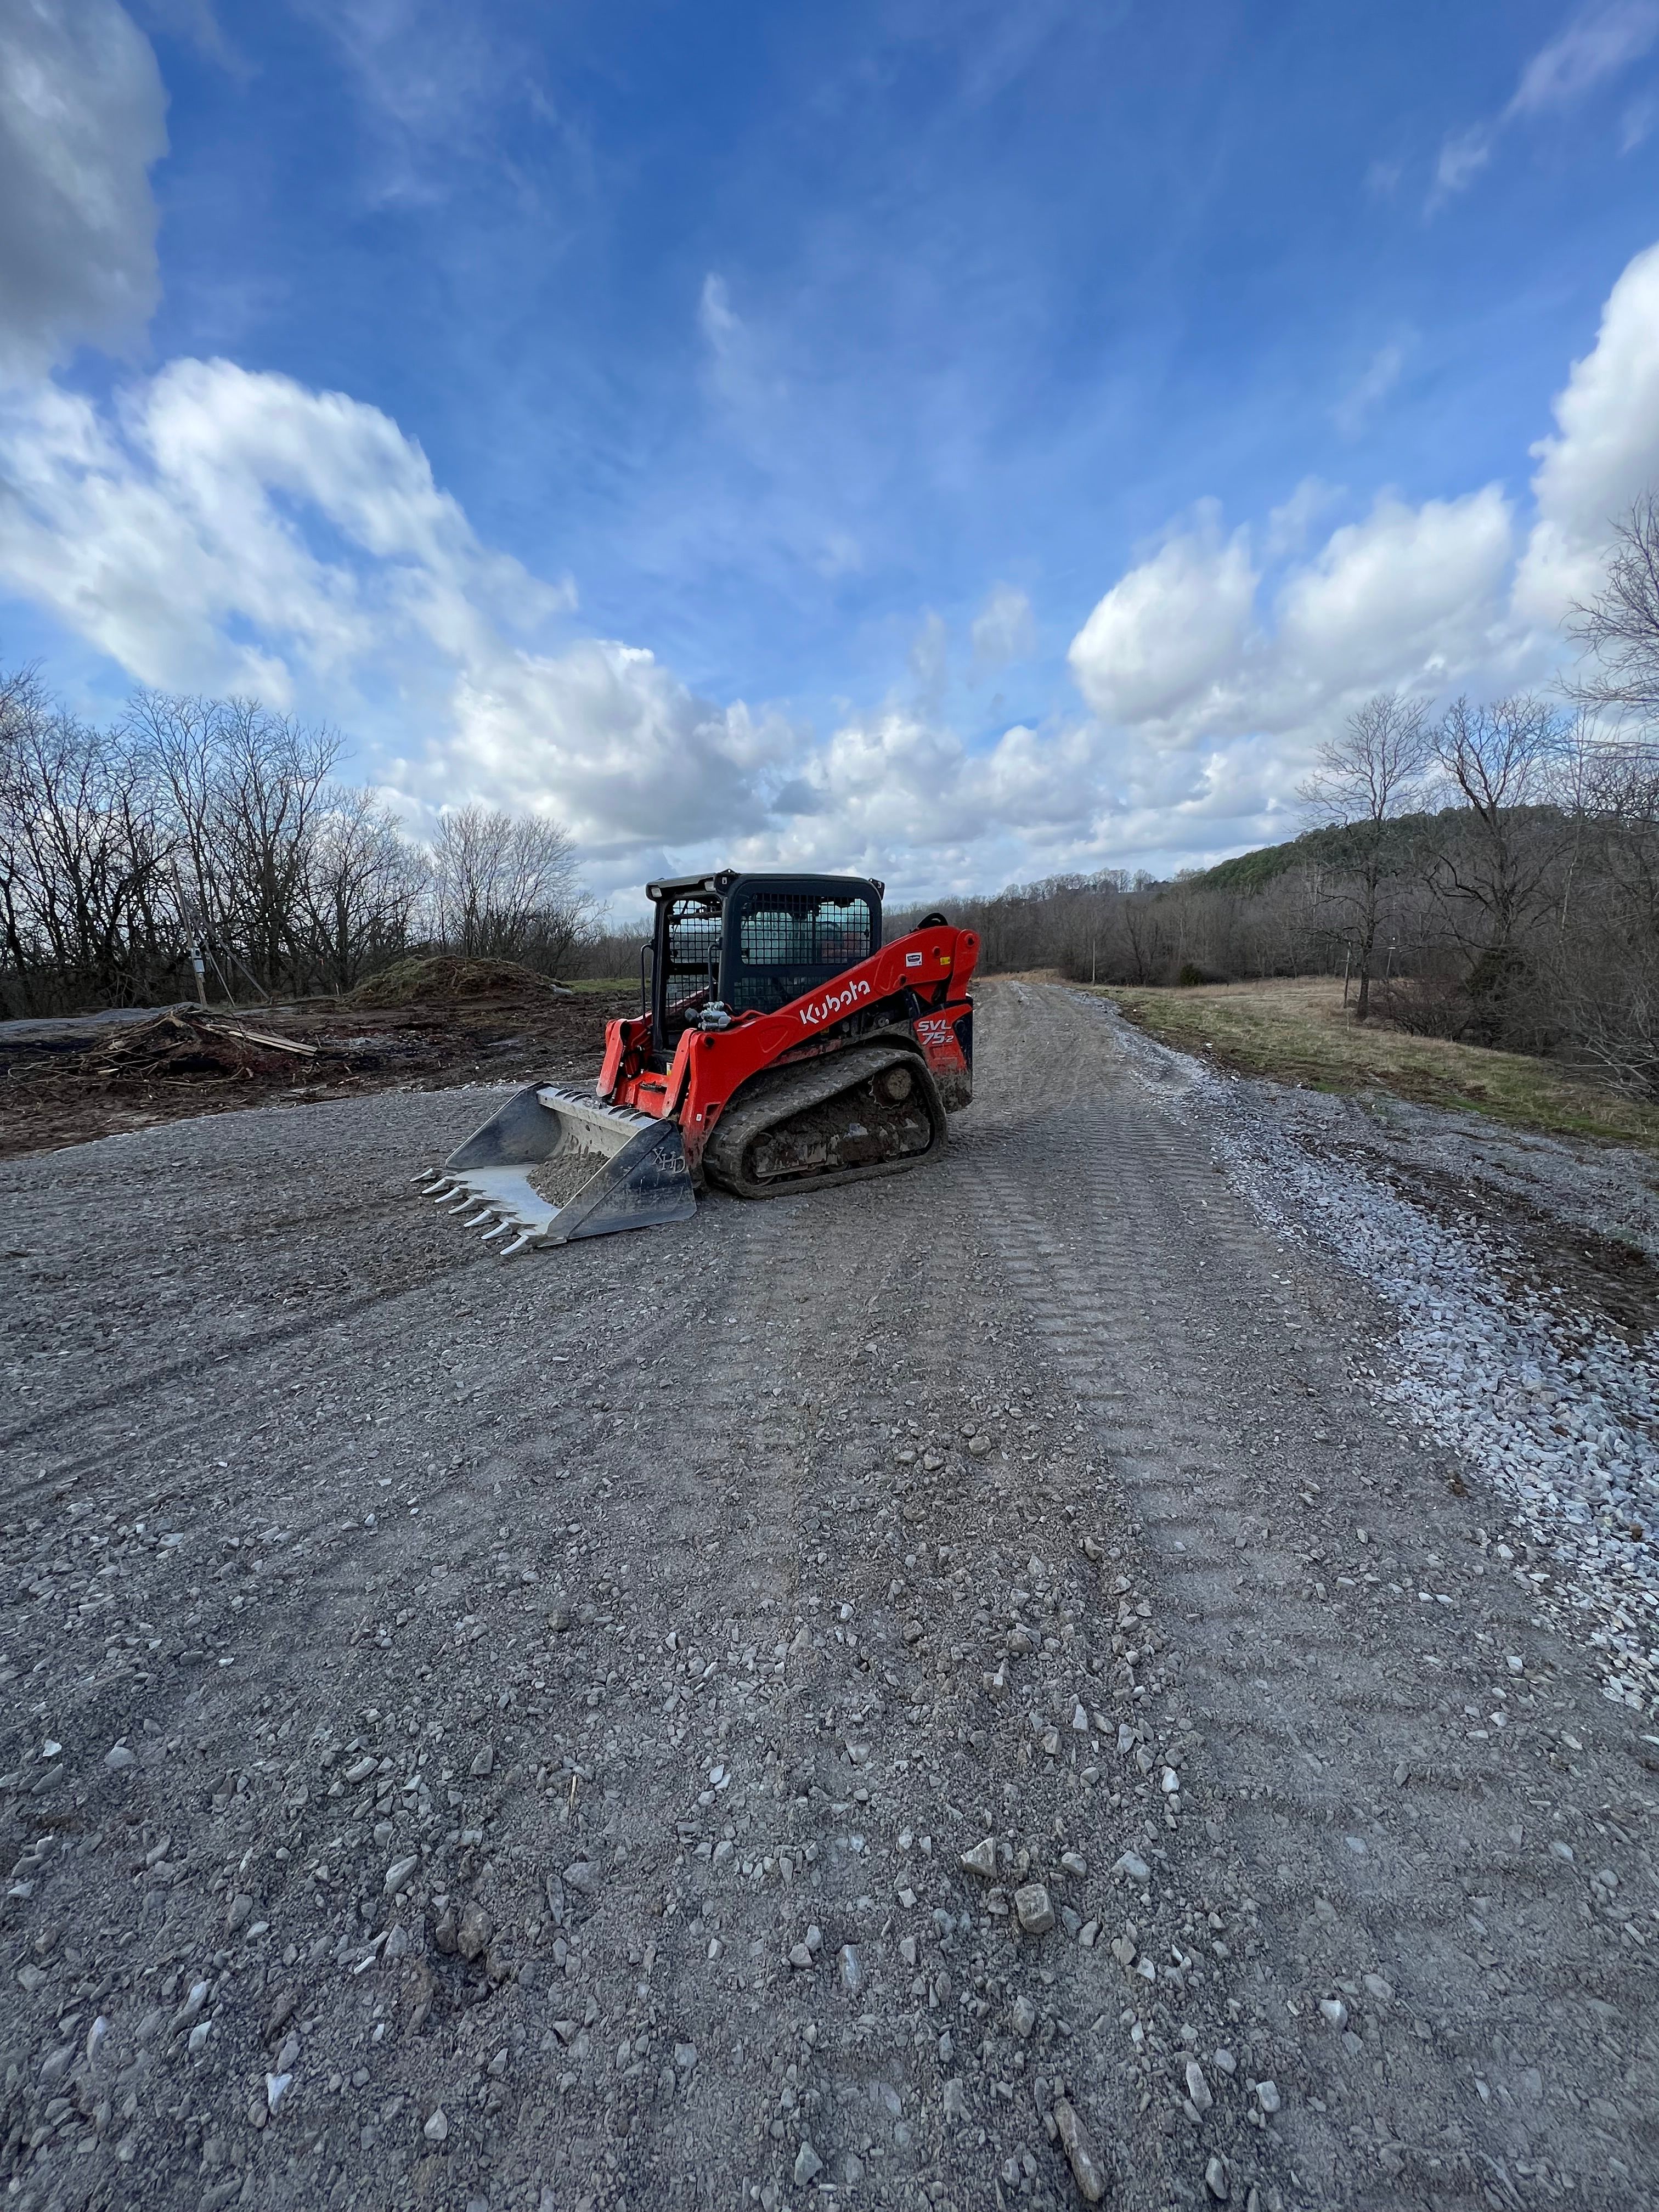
1297 1032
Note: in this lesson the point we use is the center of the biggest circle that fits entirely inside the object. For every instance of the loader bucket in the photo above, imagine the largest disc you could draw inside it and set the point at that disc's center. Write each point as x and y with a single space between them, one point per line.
553 1166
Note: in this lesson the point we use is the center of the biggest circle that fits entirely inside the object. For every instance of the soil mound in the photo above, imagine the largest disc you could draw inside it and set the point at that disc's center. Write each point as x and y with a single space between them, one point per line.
442 978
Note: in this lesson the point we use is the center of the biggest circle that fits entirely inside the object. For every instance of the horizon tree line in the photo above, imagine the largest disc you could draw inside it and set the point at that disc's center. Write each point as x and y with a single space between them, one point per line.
1489 874
216 830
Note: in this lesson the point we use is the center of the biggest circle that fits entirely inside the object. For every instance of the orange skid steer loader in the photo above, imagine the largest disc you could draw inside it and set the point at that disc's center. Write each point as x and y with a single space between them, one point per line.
781 1046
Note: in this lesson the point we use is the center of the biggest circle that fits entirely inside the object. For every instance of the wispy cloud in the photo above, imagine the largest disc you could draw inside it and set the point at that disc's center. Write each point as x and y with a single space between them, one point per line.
1383 177
1460 161
195 20
721 326
1376 381
1597 44
1004 630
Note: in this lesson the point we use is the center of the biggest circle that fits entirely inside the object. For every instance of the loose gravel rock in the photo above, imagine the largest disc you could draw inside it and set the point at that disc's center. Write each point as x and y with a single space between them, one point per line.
832 1577
1538 1370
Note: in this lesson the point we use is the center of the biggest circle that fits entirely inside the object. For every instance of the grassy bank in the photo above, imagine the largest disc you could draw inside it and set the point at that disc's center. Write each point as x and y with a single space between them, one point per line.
1297 1032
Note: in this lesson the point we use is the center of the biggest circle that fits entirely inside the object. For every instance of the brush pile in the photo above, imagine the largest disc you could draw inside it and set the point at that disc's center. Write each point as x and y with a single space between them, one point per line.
190 1044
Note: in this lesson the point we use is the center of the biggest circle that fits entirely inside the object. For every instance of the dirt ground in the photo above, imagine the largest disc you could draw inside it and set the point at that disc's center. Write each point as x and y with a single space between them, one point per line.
944 1692
59 1093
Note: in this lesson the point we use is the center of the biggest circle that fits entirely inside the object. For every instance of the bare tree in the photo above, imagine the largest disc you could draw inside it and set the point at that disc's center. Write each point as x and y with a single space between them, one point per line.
363 880
80 853
1619 630
1365 779
269 802
216 822
1503 762
245 788
1497 862
1603 949
507 885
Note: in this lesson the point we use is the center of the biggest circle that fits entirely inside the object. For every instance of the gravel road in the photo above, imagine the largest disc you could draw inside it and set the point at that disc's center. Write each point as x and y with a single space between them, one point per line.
962 1691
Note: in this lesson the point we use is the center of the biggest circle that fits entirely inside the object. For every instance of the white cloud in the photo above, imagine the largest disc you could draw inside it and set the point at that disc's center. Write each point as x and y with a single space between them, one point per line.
1004 630
746 378
82 117
897 792
1184 661
220 528
1409 596
1428 597
168 534
1605 450
186 541
213 527
612 742
1164 632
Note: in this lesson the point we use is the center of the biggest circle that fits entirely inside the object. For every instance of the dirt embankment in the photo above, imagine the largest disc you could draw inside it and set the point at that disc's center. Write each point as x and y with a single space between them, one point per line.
427 1026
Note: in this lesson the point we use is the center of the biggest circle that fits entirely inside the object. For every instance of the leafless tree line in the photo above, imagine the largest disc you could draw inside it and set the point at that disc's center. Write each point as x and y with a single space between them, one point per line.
216 830
1490 875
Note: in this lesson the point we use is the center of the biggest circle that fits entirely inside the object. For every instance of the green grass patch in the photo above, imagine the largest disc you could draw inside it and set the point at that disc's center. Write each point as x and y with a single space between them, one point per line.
1297 1032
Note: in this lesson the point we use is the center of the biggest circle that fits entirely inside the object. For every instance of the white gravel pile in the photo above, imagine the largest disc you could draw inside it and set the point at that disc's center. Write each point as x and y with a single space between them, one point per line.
1560 1417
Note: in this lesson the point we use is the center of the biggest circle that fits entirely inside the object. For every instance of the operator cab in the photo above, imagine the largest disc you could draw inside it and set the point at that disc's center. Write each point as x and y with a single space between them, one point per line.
744 942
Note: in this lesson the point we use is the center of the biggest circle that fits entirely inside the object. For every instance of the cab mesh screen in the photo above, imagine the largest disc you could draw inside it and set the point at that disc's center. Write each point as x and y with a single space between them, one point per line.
789 941
694 948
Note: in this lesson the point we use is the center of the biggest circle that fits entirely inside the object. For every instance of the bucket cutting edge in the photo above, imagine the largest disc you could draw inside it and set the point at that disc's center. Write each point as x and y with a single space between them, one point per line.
639 1179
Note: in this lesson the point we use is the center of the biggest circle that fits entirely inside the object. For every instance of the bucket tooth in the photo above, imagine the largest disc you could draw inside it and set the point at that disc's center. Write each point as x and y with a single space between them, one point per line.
622 1171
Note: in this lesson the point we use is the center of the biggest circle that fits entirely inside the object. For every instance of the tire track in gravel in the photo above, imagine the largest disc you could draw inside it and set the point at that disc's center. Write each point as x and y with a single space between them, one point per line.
624 1671
1423 2065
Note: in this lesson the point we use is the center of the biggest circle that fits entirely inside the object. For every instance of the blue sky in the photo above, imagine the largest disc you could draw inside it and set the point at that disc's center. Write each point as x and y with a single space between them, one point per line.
962 441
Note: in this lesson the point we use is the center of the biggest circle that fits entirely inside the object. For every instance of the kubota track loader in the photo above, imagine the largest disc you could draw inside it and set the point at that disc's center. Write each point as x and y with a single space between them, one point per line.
780 1045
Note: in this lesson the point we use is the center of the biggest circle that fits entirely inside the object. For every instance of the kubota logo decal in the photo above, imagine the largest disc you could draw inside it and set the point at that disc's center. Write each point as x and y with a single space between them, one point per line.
833 1003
